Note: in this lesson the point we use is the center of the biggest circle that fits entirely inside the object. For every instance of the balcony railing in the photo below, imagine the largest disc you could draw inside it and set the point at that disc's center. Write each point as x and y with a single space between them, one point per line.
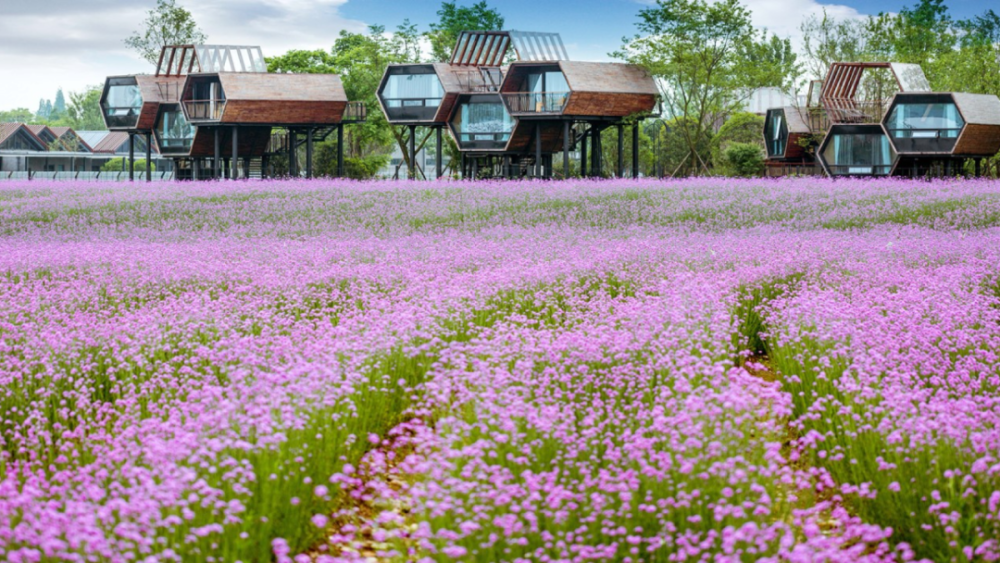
854 111
532 103
204 110
170 92
411 109
924 140
485 79
860 169
356 112
122 117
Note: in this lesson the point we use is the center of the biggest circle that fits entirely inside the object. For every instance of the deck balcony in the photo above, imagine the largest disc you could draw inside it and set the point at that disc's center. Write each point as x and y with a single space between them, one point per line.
526 104
203 111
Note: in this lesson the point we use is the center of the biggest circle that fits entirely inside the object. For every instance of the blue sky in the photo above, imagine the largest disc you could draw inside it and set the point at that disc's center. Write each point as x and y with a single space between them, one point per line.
76 43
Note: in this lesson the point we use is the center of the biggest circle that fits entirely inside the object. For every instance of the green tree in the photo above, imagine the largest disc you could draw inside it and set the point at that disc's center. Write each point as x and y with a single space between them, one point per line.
166 24
453 19
826 40
59 106
707 56
741 127
19 115
84 110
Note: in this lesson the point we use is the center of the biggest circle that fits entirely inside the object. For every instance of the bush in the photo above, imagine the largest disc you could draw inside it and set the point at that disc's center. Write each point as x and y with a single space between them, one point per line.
741 127
117 165
743 159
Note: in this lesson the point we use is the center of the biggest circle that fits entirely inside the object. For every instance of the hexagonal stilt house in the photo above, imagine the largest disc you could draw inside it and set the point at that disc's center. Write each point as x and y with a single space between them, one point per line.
934 133
212 109
508 121
889 125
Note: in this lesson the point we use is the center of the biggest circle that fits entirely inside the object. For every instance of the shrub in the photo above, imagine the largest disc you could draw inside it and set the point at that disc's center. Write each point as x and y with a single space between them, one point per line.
742 159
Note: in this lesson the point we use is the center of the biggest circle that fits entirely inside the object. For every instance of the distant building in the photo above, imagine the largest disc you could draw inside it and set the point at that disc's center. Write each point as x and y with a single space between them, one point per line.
60 152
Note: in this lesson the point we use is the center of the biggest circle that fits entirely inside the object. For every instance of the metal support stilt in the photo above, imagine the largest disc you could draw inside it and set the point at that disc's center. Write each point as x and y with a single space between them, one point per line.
293 165
635 150
309 152
234 163
439 159
340 150
149 156
583 153
538 172
412 172
620 172
566 149
217 162
131 157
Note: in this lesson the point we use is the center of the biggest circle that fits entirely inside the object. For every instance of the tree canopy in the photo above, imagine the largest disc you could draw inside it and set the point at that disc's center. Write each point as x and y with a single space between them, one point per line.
453 19
166 24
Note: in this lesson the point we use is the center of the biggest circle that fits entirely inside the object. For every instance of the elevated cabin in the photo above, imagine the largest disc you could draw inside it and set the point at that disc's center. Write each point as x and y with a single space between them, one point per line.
949 123
480 122
857 150
276 100
131 103
535 89
786 132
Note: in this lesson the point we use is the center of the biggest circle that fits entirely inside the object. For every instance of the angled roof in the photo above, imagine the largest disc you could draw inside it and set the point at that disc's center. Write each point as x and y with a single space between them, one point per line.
282 87
111 142
618 78
489 48
179 60
8 130
40 130
796 121
92 138
843 79
978 109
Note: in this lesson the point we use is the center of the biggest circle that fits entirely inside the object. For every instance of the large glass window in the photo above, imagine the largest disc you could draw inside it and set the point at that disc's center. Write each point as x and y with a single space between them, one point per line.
484 123
414 93
776 133
174 133
925 120
542 91
859 153
123 103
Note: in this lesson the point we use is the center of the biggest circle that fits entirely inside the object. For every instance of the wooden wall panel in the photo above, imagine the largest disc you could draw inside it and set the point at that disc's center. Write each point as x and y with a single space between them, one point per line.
793 150
147 115
252 142
280 112
605 104
978 140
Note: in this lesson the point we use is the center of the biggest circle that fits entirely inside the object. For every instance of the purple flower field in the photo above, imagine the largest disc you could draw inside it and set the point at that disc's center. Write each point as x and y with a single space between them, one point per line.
707 369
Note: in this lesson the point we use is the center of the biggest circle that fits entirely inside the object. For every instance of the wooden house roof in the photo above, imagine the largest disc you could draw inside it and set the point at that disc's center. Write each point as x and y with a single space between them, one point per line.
978 109
111 142
617 78
282 87
796 120
8 130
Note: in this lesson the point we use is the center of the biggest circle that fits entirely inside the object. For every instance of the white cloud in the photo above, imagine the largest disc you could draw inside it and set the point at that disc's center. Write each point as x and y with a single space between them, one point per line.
71 44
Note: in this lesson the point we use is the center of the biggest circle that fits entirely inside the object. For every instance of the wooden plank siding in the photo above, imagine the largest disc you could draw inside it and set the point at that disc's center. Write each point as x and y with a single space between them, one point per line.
981 134
278 113
608 104
293 100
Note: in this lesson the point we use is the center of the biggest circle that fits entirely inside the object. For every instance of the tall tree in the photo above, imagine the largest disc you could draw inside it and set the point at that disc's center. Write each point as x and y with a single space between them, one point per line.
453 19
84 110
59 106
826 40
166 24
707 57
19 115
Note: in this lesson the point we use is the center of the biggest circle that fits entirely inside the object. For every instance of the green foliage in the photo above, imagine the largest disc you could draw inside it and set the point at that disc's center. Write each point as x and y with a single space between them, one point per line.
742 159
453 19
118 165
84 110
19 115
166 24
703 53
673 155
741 127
